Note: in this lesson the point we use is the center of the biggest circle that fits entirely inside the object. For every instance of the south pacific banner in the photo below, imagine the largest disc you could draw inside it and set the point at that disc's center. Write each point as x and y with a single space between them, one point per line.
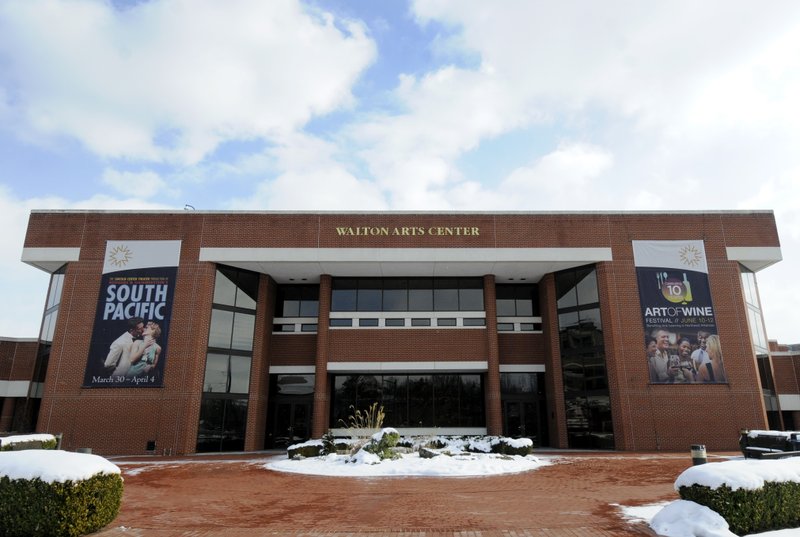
131 326
681 341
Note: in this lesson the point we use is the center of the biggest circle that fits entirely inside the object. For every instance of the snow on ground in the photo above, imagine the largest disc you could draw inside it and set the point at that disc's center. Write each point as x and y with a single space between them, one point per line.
457 458
468 464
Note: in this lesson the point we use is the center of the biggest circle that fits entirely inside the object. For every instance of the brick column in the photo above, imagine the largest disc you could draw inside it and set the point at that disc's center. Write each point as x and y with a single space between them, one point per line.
319 420
554 380
494 410
259 368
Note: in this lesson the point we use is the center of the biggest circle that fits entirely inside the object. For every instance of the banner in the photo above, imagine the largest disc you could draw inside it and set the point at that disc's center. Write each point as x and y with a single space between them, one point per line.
131 326
681 341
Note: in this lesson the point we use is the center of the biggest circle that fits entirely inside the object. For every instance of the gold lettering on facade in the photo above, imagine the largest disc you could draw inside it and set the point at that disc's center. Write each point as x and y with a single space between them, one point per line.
436 231
362 231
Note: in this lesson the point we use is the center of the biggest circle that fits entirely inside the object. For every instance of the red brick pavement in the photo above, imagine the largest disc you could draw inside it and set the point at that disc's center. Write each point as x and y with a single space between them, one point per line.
232 496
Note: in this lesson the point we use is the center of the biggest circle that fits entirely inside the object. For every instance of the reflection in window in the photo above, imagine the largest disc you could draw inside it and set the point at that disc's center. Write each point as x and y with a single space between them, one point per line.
226 384
517 300
442 400
583 361
407 294
295 384
222 425
297 301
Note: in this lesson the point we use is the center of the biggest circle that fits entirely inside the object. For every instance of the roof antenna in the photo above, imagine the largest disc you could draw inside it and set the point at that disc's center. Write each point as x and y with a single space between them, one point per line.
188 207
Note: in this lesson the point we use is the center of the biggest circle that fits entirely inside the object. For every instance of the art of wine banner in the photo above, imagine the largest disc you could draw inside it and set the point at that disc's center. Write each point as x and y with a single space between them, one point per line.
131 327
681 342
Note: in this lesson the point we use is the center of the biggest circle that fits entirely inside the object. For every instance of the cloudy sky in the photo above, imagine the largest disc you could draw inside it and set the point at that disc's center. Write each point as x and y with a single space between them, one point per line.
398 105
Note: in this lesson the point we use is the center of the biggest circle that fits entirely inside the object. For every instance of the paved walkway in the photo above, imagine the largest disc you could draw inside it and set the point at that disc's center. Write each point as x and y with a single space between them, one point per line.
232 496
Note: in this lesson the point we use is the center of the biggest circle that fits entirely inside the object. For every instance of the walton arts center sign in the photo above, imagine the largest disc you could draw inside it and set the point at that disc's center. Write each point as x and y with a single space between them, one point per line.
406 231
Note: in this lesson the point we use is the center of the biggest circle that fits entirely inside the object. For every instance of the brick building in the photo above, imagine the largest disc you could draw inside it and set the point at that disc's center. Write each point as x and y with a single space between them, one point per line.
177 332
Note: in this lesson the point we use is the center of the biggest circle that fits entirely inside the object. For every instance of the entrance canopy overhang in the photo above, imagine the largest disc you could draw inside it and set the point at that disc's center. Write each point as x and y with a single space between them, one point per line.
297 265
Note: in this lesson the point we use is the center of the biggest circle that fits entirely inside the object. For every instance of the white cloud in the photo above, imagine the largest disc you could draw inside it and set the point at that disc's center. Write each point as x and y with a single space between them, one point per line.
688 97
313 179
171 79
565 175
139 185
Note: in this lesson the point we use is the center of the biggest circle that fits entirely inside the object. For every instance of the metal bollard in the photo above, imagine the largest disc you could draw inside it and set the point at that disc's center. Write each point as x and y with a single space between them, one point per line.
698 454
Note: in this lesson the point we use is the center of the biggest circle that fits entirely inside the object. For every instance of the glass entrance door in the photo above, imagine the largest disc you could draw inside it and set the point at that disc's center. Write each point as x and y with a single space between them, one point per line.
292 423
520 419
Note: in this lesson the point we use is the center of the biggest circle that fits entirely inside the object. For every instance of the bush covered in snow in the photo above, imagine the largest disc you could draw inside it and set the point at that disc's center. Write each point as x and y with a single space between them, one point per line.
753 496
444 445
57 493
28 441
383 443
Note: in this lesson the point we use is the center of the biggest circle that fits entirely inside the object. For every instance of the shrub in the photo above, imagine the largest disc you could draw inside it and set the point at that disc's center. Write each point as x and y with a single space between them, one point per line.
773 506
34 441
32 507
312 448
362 424
383 443
328 444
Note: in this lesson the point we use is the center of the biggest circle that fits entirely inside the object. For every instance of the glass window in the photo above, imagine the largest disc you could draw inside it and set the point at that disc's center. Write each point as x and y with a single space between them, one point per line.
216 379
225 287
565 290
344 395
295 384
243 326
56 284
445 322
446 389
517 383
395 322
212 425
221 329
526 327
297 301
308 327
395 400
420 397
470 321
368 322
235 425
587 286
240 374
590 318
420 294
445 295
420 322
395 294
247 293
343 294
309 301
370 295
472 402
470 294
368 391
49 326
517 300
506 307
341 322
288 301
567 320
505 327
